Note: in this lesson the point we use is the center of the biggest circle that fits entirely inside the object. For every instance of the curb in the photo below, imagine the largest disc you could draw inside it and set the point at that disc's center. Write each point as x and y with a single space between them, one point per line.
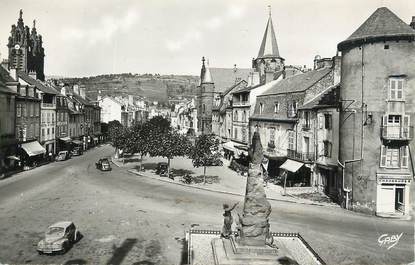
221 191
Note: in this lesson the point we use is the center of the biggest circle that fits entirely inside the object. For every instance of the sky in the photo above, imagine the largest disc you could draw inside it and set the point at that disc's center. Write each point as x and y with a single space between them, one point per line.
92 37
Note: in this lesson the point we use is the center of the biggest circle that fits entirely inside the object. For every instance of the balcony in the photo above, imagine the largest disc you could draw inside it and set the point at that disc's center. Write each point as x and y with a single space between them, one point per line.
291 113
241 104
48 105
301 156
397 132
306 126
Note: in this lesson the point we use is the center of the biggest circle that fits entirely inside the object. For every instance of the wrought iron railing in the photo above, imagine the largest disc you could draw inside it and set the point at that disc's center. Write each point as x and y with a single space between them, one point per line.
397 132
302 156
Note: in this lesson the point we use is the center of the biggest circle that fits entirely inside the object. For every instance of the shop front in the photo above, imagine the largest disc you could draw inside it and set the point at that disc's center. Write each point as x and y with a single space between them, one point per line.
32 154
393 195
296 174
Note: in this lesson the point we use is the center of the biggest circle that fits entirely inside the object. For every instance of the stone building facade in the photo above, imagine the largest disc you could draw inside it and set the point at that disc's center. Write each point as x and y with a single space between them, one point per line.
275 117
378 107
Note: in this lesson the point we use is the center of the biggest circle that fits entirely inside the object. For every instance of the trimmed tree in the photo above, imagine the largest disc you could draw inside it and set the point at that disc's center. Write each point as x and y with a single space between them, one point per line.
205 153
117 135
169 145
137 141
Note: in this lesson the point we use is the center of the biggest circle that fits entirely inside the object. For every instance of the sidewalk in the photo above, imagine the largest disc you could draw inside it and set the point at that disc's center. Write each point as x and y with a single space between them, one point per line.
227 180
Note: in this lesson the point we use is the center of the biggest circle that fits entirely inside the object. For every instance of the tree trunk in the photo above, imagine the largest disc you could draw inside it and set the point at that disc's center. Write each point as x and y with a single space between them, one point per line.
285 183
117 155
141 162
204 175
168 167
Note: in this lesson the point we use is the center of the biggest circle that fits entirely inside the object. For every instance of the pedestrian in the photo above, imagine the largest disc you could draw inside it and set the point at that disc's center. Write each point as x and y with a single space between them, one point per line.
227 220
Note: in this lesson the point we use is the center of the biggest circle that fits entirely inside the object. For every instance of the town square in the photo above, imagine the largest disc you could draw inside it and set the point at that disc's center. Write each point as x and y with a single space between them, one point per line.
197 133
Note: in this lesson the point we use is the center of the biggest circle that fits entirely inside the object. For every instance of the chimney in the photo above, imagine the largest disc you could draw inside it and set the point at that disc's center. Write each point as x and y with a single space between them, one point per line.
336 69
130 100
82 91
412 24
13 74
32 74
99 97
63 90
76 89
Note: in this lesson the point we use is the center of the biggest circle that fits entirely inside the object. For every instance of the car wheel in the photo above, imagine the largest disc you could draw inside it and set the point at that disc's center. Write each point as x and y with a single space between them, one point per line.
39 252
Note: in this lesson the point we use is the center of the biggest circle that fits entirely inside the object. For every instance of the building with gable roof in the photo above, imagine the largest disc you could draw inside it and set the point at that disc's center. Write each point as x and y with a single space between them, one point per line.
275 117
214 82
378 107
47 95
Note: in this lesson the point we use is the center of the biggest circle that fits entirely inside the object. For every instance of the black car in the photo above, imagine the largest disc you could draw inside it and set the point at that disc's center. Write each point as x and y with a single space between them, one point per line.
161 169
103 164
77 151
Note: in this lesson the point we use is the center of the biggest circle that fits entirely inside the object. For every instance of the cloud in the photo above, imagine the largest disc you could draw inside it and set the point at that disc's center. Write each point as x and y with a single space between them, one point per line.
211 24
107 27
177 45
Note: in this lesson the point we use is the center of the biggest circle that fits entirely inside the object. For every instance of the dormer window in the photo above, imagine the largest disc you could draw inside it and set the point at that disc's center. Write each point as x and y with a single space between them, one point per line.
276 107
261 108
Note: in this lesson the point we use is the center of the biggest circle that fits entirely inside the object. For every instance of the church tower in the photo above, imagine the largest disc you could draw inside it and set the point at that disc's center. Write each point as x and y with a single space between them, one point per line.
269 60
26 52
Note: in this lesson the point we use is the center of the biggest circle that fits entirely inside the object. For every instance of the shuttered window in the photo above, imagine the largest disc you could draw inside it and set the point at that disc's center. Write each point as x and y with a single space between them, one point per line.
404 156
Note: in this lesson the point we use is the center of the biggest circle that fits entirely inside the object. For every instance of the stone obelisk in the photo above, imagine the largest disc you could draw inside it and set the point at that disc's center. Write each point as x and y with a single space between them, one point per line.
254 230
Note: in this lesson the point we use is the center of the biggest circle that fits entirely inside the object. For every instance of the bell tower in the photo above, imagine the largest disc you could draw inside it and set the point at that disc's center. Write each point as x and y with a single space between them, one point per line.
26 51
269 60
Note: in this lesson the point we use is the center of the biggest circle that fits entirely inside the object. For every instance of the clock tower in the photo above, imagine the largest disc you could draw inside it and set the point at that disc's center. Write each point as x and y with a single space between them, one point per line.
26 51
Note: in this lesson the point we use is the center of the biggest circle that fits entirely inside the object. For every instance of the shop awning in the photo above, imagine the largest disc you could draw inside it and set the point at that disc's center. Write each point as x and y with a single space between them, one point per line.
291 165
229 146
77 142
66 139
13 158
33 148
95 138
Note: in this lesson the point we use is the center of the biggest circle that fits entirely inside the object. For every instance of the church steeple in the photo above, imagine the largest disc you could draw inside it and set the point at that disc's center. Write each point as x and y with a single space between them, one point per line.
269 46
207 77
269 61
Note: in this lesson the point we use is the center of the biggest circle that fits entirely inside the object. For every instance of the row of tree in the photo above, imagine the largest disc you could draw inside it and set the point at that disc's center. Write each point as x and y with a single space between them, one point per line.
157 138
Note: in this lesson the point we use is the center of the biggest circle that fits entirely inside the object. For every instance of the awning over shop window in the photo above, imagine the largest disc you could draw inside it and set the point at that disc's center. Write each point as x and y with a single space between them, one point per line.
13 158
291 165
232 146
77 142
95 138
66 139
33 148
229 146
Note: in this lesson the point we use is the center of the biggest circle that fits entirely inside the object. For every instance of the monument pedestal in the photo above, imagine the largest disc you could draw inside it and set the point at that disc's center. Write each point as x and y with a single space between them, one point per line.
230 252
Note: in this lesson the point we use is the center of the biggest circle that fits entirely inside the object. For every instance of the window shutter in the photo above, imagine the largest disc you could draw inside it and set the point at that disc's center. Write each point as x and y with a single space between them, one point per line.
392 89
404 156
405 126
383 150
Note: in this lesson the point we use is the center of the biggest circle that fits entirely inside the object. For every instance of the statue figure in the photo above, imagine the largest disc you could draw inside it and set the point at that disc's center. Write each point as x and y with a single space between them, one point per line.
227 220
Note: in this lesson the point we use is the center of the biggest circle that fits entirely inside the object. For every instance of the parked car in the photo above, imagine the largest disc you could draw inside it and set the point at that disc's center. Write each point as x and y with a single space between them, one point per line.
77 151
161 169
103 164
63 155
59 238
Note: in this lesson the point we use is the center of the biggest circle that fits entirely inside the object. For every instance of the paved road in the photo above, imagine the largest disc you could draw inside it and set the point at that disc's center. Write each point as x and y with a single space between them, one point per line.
128 219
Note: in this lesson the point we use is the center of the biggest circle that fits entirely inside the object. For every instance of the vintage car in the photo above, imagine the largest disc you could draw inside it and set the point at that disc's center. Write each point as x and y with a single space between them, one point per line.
59 238
103 164
161 169
63 155
77 151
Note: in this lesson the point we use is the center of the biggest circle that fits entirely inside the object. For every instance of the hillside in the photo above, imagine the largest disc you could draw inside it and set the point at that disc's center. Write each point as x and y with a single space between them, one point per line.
154 87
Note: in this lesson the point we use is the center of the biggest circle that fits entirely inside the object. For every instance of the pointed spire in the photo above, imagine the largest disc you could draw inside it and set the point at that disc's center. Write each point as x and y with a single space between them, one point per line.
207 77
34 23
20 20
269 46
